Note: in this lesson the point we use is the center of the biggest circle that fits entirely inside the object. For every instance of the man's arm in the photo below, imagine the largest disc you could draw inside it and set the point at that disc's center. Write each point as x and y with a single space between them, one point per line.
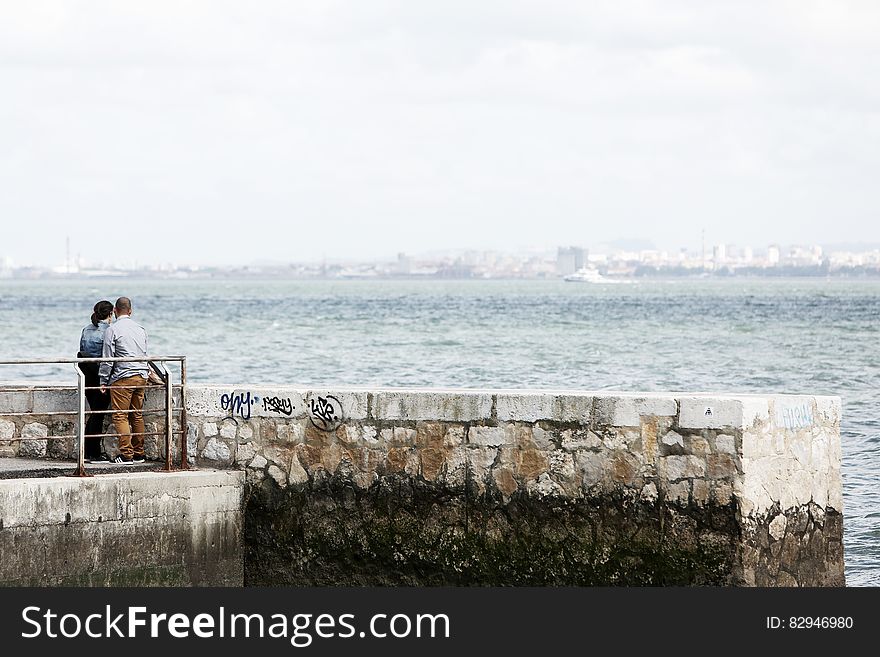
106 352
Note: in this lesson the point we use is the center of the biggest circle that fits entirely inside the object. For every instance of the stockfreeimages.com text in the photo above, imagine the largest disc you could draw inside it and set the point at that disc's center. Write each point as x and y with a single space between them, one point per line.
300 629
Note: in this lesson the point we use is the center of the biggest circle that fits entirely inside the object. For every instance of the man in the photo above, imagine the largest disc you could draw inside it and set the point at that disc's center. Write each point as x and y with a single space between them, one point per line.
126 381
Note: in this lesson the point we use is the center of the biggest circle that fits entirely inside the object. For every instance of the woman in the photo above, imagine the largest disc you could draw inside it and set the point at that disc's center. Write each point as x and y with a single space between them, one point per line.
91 345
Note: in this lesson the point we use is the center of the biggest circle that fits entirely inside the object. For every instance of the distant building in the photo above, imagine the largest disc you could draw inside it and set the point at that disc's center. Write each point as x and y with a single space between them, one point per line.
404 264
773 255
719 254
570 259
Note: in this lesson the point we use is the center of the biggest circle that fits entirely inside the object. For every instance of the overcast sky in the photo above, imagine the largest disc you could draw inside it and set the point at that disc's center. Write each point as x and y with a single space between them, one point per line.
230 132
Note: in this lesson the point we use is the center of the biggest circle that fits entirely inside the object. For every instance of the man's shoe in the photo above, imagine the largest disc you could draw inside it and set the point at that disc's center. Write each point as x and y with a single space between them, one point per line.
103 458
123 461
138 458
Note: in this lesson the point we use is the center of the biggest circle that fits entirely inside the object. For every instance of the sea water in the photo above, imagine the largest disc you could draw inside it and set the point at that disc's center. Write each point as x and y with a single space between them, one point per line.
810 336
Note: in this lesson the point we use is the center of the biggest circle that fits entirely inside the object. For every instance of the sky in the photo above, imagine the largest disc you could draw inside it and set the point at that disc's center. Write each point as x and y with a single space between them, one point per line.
214 132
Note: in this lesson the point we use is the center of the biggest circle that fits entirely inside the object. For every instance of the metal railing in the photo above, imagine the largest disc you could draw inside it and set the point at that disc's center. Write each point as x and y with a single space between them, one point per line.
168 410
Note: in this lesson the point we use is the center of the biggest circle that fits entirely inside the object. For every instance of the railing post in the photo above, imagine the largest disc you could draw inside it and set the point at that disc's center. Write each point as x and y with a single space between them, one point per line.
81 421
184 438
169 418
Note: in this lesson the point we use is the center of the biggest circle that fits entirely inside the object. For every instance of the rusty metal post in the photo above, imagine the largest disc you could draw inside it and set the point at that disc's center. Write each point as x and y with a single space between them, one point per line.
81 419
184 436
169 418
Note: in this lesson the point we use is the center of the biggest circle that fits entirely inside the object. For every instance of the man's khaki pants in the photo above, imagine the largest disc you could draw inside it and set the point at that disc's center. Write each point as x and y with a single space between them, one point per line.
128 395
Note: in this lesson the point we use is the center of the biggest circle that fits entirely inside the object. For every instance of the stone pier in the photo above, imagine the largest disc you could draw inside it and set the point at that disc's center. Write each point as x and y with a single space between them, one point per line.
461 487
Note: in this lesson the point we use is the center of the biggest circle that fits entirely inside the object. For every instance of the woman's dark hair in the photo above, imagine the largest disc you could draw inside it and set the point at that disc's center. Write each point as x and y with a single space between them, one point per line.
102 311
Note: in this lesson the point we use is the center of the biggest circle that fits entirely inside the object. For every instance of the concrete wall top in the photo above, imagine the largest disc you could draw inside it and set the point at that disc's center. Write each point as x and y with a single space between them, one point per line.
692 410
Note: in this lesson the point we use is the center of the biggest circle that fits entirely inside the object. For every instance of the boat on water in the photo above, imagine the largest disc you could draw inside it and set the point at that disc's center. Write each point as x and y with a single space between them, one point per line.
590 275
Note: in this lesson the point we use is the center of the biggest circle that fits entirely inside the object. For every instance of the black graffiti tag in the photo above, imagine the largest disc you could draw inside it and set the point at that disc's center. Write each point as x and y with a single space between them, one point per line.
278 405
238 403
325 412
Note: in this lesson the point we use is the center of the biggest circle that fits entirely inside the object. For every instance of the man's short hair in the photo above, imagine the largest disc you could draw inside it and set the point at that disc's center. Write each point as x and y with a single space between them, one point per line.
123 305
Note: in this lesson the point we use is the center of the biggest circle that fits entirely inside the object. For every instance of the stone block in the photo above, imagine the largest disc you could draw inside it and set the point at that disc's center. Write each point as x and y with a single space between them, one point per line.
464 406
244 454
573 440
672 439
710 413
697 445
480 460
35 430
700 492
278 475
216 450
531 463
544 439
622 411
33 440
401 436
720 466
486 436
228 429
457 466
672 468
523 407
50 401
679 493
245 432
725 444
204 401
593 468
721 492
348 405
16 402
573 408
7 429
505 481
298 474
432 461
624 468
545 406
290 432
454 436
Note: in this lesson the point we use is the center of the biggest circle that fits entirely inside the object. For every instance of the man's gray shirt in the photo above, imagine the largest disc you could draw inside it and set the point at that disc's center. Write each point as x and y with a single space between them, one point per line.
124 338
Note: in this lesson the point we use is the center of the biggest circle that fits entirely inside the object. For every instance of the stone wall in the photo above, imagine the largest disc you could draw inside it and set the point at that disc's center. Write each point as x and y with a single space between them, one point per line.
30 426
529 488
131 529
504 487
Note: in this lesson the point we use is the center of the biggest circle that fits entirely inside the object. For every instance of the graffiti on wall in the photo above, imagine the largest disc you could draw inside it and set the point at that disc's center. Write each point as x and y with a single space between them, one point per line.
243 404
325 412
796 416
280 405
237 403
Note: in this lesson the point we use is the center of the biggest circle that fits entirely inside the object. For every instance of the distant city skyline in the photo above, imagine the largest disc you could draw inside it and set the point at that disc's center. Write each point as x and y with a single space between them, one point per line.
231 133
629 258
631 245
